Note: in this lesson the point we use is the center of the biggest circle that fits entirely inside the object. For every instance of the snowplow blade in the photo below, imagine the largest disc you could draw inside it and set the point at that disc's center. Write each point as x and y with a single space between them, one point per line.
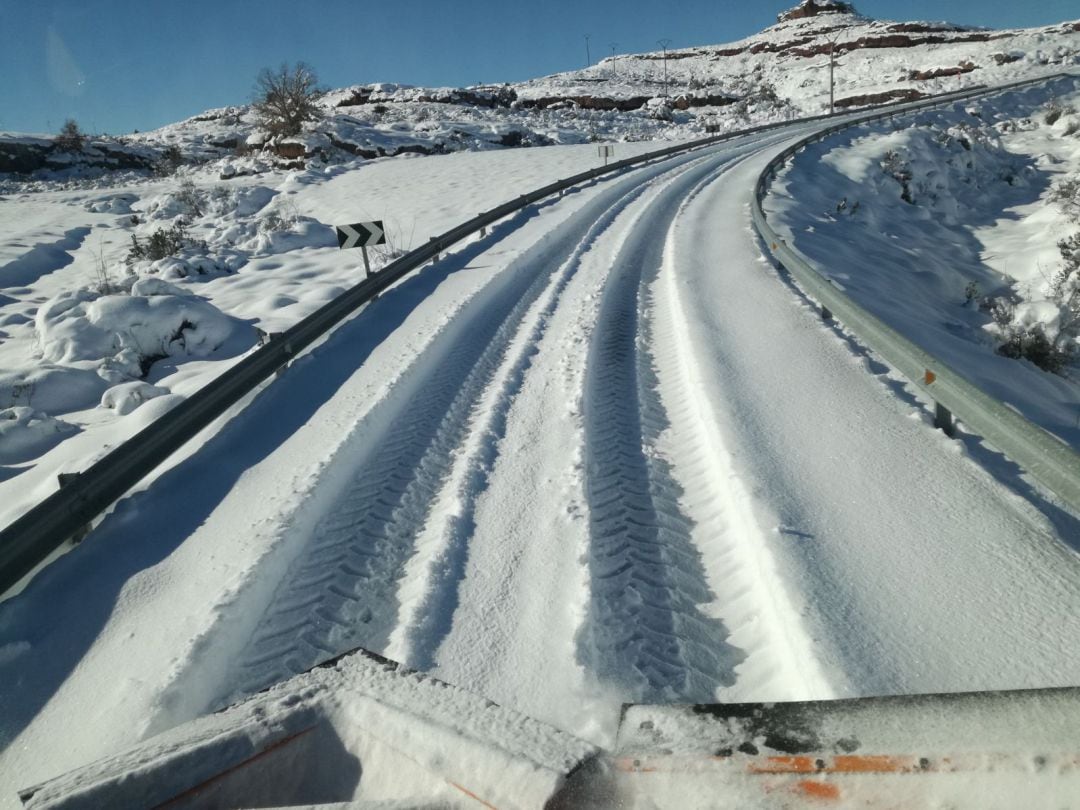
359 731
363 732
977 750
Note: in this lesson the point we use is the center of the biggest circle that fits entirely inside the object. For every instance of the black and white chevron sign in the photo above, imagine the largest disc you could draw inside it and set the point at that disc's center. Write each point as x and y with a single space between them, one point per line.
362 234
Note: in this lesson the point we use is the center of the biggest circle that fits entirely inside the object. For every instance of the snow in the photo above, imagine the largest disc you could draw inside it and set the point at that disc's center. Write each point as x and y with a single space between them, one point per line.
126 397
121 333
25 433
375 732
604 454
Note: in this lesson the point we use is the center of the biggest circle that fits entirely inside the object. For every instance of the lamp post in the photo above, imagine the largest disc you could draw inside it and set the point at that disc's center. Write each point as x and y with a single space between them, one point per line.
588 57
663 43
613 46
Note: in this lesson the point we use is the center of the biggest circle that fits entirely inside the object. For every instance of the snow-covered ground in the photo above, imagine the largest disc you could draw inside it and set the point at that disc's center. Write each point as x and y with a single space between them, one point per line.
270 258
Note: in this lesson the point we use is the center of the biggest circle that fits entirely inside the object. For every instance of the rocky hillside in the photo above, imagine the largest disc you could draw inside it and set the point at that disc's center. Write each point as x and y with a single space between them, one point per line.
876 61
781 72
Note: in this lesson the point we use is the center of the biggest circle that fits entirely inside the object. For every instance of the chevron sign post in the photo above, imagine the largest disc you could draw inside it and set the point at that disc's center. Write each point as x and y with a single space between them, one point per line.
361 235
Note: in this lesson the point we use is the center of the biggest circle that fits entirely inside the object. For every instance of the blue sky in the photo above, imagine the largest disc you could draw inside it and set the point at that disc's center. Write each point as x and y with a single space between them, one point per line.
120 65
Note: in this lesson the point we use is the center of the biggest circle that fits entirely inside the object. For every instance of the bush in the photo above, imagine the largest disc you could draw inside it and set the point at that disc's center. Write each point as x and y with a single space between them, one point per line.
160 244
71 138
1064 290
894 165
1066 193
1031 343
1054 110
171 160
188 196
285 99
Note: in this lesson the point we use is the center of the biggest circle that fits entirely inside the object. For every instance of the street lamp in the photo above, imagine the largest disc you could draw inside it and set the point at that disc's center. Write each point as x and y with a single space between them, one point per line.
613 46
588 57
663 43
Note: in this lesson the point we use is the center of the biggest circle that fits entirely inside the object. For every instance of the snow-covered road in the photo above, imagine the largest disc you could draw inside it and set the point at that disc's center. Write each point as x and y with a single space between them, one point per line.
606 454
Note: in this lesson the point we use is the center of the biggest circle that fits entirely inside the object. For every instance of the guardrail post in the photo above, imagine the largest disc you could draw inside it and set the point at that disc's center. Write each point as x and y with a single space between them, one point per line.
70 478
943 420
265 339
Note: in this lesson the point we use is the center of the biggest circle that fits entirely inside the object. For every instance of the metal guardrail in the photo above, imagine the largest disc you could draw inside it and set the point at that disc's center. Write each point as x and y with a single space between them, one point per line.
67 513
1047 458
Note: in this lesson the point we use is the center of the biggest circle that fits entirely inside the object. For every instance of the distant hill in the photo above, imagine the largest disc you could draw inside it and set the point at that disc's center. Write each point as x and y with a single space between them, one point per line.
781 72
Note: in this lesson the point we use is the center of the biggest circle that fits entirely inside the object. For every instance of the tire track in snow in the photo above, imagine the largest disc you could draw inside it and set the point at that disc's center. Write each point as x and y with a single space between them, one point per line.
342 592
644 631
430 617
780 663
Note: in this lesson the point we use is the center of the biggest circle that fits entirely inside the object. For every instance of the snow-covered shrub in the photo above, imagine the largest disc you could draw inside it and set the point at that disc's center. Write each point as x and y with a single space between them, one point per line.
189 264
243 202
1066 193
1042 332
899 170
659 109
1053 110
126 397
1022 333
153 285
171 160
191 198
950 169
1064 291
113 204
282 216
125 334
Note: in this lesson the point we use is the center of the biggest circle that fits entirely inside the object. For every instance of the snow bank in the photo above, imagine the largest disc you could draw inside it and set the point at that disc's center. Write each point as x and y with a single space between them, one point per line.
26 433
114 204
51 388
940 224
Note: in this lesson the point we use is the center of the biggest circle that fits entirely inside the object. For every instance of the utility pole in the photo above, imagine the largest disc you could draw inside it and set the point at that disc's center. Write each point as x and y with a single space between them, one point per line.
832 73
588 57
613 46
663 43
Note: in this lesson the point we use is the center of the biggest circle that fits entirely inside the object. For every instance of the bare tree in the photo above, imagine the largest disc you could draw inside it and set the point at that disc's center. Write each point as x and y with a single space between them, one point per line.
285 98
70 138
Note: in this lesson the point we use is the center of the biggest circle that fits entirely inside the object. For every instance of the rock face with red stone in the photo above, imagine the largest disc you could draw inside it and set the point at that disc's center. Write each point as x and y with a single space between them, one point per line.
811 8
